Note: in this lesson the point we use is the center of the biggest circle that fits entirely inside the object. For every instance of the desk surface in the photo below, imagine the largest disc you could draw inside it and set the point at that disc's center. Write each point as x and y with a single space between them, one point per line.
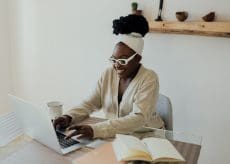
26 150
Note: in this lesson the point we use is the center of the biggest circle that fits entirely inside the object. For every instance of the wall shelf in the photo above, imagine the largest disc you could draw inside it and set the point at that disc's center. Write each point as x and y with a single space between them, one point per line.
221 29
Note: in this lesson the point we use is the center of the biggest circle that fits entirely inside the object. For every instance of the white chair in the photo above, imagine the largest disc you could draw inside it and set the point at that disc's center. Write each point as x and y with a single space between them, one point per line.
164 109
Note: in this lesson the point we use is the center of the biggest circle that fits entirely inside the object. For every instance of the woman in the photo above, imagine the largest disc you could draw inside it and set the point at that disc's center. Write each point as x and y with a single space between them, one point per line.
126 92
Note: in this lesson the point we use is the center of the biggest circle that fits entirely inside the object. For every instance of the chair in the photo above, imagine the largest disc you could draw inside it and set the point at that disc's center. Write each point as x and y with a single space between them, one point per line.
164 109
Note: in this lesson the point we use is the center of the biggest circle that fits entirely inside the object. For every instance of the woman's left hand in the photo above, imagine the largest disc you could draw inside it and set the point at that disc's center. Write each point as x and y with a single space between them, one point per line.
85 131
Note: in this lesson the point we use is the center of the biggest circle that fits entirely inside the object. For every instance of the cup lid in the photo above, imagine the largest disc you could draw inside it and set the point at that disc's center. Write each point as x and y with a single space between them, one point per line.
54 103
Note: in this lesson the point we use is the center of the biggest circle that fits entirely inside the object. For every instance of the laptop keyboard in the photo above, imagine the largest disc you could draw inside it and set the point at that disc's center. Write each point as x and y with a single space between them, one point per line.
64 143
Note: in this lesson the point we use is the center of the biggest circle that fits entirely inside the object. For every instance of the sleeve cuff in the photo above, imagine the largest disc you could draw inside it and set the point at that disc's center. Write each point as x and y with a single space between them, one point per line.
102 130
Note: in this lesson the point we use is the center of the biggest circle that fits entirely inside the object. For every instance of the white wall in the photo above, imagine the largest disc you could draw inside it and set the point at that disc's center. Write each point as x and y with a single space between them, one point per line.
60 49
4 57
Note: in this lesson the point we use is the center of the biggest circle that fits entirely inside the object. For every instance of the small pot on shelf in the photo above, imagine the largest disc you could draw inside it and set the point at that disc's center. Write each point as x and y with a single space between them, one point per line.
137 12
209 17
181 15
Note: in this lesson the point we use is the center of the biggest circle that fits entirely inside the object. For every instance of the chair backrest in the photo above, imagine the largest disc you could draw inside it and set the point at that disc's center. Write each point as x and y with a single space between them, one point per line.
164 109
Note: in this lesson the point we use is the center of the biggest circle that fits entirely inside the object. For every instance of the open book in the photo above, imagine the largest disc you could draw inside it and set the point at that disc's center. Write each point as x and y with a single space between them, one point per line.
129 148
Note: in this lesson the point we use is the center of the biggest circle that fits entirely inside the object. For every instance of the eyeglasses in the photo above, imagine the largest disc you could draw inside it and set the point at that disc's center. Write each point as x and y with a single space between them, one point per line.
122 61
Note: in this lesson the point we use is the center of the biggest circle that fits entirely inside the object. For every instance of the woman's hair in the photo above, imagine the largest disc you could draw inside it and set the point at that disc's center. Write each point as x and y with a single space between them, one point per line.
129 24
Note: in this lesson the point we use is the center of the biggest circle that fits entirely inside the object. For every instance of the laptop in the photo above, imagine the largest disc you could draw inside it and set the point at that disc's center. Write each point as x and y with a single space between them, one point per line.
36 123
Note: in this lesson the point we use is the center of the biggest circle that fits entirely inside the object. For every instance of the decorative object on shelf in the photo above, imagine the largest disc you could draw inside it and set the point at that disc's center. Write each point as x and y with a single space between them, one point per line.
160 11
209 17
181 16
136 8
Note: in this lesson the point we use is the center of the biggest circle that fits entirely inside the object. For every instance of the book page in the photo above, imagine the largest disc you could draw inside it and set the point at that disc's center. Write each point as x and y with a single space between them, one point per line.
130 148
131 142
120 150
162 148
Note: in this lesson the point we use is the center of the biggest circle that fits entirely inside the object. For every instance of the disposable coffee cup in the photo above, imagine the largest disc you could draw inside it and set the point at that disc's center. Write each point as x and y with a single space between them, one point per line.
55 109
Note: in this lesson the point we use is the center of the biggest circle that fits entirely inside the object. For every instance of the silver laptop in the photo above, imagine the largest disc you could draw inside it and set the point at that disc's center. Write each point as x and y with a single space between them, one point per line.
36 123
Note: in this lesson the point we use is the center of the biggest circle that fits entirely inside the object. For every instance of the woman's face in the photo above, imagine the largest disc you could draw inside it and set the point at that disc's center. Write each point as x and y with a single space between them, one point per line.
121 51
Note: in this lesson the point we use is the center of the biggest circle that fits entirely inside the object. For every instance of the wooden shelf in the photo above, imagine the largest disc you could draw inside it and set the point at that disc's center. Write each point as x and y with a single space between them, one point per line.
221 29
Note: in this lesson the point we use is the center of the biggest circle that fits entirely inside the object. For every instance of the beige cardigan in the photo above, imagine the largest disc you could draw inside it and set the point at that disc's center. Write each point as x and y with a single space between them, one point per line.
136 109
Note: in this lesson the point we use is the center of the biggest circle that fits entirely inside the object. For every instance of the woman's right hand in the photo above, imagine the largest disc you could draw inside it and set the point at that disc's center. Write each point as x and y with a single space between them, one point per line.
62 122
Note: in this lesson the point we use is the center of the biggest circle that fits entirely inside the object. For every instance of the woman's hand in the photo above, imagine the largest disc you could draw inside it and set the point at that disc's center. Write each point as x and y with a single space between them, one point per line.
62 122
85 131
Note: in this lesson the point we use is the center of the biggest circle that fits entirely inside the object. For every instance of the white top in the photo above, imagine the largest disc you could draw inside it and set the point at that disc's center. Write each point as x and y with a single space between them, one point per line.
136 109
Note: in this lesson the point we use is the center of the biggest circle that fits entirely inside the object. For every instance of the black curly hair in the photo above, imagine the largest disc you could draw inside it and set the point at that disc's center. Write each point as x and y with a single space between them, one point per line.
131 23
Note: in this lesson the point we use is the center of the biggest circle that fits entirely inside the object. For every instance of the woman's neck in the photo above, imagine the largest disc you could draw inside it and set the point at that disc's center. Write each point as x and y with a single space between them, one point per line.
132 75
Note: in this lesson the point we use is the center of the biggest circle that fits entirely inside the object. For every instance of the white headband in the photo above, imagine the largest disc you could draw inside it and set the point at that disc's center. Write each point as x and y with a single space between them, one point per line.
133 40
